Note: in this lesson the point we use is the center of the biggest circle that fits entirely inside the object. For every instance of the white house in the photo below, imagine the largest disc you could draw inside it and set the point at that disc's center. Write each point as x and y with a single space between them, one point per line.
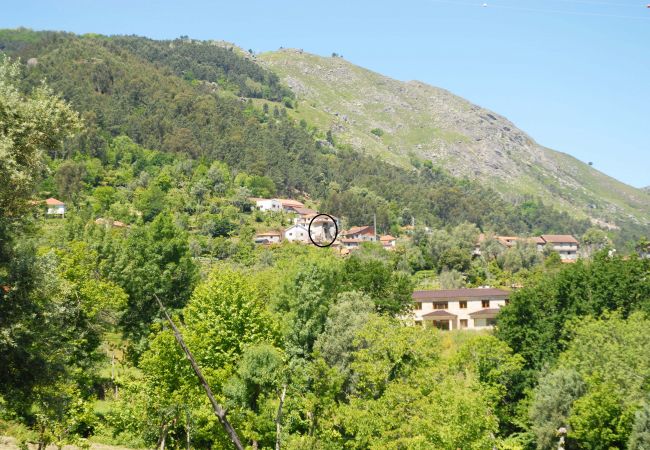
388 241
268 237
297 233
268 204
458 309
351 244
365 233
566 245
55 207
290 205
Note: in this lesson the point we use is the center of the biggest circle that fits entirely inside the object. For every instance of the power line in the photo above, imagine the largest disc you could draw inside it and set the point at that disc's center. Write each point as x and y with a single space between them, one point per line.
540 10
597 3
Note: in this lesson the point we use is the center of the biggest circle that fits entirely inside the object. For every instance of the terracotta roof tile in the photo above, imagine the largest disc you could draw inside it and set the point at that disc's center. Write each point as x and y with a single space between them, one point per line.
559 238
439 313
54 202
491 312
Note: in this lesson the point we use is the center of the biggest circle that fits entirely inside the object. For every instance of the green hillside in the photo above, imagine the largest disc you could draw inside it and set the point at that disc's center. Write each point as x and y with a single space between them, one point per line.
131 86
404 122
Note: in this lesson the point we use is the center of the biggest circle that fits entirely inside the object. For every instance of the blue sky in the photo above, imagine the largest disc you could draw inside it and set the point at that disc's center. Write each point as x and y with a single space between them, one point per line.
574 74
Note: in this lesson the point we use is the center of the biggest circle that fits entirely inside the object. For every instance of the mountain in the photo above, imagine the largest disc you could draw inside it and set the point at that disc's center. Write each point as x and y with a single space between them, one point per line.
407 123
211 101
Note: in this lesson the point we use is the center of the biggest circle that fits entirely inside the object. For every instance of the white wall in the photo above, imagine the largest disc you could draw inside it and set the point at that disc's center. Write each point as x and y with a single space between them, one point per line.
296 234
269 205
56 209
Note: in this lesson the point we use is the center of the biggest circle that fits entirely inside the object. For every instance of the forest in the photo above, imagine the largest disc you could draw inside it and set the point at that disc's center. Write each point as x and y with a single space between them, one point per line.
303 348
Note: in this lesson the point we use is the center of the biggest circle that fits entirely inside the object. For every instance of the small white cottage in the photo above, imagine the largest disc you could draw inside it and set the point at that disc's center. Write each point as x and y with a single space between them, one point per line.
55 208
296 233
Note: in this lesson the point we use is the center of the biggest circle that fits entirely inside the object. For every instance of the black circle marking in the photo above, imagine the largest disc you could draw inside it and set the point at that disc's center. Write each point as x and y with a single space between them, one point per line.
336 228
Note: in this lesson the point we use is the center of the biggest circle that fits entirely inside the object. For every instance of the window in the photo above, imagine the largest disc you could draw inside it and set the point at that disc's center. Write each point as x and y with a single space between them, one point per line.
440 305
417 306
463 324
485 303
462 305
491 322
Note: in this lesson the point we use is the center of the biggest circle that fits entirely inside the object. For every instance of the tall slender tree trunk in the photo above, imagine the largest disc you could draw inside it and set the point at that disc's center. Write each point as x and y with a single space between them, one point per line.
163 436
188 429
278 419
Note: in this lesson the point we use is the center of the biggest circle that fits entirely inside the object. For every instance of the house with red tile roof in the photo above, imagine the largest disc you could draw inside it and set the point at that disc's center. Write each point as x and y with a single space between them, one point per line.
365 233
388 241
55 208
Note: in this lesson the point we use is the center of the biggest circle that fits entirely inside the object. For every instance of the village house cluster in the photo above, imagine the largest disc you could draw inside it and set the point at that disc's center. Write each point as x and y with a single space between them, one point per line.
565 245
323 228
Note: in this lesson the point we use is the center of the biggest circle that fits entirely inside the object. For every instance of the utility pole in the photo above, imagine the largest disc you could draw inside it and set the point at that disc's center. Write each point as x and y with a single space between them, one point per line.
374 225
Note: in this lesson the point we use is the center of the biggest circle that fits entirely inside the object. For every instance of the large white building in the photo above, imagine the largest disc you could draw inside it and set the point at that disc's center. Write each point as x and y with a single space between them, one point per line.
458 309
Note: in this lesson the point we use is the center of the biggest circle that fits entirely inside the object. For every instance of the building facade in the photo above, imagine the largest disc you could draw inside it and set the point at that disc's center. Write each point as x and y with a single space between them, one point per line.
269 237
458 309
268 204
365 233
55 208
564 244
296 233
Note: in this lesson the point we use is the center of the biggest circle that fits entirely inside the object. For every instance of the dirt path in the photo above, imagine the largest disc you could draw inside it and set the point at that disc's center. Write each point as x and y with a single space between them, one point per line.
9 443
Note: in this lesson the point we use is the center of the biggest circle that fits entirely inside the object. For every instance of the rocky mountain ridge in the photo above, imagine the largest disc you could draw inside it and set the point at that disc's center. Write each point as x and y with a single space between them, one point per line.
408 123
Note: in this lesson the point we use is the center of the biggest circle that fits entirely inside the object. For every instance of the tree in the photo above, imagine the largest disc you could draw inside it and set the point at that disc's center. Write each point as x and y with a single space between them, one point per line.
401 387
304 302
70 179
535 322
150 201
594 240
32 125
105 196
451 279
345 318
258 388
500 372
600 419
640 435
153 259
224 318
606 377
391 291
553 399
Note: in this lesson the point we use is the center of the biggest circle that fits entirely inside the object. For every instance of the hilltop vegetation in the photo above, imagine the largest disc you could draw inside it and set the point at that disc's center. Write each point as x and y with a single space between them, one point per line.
119 93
